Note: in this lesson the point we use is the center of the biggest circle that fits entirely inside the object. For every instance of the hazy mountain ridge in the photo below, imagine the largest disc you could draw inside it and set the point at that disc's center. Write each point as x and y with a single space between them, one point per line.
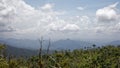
14 51
60 44
26 47
57 45
71 44
117 42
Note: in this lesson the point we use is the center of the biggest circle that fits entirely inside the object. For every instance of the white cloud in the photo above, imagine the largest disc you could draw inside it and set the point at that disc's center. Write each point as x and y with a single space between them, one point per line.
108 20
18 19
107 14
53 27
62 25
70 27
47 6
80 8
13 11
23 19
7 29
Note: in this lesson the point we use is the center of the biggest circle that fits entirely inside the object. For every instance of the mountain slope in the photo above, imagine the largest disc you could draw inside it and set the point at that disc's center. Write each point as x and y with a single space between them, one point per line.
10 50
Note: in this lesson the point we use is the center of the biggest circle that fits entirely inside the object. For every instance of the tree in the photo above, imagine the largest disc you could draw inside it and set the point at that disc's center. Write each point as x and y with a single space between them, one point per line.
2 50
94 45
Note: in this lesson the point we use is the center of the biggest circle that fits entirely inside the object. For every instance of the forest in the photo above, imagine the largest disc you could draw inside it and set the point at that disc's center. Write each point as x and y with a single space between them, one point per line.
96 57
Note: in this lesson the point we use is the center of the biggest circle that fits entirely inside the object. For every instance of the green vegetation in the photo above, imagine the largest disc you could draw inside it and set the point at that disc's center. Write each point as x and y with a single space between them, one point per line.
104 57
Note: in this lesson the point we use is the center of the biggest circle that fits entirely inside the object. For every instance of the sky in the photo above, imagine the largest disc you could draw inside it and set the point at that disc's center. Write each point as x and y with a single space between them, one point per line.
60 19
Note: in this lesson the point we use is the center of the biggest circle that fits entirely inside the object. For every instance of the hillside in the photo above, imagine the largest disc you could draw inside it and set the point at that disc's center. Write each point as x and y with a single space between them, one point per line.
104 57
18 52
10 50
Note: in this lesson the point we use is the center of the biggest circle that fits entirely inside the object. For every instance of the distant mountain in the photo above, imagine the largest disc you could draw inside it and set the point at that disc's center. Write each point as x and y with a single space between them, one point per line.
60 44
14 51
18 52
117 42
70 44
24 43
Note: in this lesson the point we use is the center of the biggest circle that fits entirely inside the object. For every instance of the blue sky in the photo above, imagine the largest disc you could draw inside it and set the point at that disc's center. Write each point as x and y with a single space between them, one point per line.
65 4
90 6
60 19
72 4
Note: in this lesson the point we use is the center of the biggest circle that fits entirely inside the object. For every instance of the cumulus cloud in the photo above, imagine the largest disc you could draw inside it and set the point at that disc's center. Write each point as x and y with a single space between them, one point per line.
7 29
63 26
47 6
11 11
18 19
107 14
70 27
80 8
108 20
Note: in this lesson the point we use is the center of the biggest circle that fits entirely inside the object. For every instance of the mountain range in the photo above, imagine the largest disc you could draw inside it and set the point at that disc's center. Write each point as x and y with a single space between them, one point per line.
18 52
56 45
117 42
26 47
34 44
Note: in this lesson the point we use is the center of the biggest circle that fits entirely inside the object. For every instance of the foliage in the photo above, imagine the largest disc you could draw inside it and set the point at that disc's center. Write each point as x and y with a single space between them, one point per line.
102 57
